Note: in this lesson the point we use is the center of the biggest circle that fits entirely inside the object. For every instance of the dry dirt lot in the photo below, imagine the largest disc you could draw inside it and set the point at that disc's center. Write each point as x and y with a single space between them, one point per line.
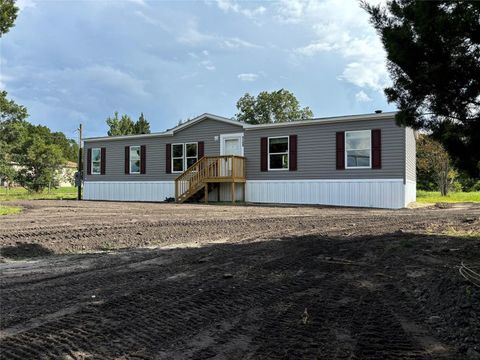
95 280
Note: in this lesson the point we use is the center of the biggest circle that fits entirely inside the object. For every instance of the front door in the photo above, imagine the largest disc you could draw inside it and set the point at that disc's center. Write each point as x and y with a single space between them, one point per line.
230 144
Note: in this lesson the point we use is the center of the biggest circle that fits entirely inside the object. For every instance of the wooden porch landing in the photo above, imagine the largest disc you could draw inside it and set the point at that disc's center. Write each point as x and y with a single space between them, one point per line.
210 170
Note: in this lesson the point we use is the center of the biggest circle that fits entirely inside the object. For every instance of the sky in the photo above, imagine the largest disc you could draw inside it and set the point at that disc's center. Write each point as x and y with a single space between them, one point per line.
72 62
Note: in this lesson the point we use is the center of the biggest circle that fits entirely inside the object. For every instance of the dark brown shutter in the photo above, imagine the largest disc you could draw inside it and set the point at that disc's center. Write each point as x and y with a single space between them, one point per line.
292 161
263 154
127 159
89 161
201 149
168 159
340 150
143 159
103 160
376 149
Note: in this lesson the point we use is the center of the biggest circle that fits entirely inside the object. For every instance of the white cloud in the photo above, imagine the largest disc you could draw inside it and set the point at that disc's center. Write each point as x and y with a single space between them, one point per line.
314 48
373 76
207 64
109 77
235 43
233 6
341 26
249 77
192 35
148 19
362 96
3 80
23 4
138 2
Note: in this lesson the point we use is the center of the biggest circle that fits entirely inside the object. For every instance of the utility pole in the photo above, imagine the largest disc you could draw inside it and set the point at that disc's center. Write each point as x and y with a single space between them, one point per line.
79 194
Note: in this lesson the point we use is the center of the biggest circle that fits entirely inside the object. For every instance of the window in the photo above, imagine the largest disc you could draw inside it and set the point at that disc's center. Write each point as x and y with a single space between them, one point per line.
184 156
177 157
134 159
96 161
278 153
191 152
358 149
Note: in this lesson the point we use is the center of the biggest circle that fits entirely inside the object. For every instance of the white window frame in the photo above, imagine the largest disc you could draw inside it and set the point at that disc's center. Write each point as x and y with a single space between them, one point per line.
280 153
130 159
174 158
99 162
370 148
185 167
184 156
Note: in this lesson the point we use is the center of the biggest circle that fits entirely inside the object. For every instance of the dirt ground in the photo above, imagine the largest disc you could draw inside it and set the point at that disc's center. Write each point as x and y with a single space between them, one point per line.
96 280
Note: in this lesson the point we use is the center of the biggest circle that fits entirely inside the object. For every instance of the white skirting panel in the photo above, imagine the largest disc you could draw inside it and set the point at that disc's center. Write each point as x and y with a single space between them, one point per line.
128 190
378 193
410 192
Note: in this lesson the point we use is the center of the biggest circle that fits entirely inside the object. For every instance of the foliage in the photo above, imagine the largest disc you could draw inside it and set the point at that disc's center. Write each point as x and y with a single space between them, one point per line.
39 163
33 155
435 197
9 111
468 183
9 210
142 126
18 193
69 146
8 14
274 107
433 165
126 126
123 126
433 52
7 171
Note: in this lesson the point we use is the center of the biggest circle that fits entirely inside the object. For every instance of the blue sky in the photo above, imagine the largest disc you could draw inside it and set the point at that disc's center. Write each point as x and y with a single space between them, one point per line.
79 61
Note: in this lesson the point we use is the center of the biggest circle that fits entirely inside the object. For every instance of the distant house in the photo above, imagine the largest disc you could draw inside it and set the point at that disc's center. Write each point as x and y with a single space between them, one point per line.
360 160
65 176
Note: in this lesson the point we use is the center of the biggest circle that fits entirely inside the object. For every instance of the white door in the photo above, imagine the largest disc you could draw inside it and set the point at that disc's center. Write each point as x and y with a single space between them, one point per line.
230 144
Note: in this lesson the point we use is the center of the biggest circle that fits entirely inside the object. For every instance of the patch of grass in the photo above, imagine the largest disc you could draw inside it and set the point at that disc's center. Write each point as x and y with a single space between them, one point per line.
453 197
65 193
462 233
9 210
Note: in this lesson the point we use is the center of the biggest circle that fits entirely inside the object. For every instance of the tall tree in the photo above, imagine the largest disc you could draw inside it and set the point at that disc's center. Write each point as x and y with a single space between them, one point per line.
8 14
39 163
120 126
433 52
271 107
9 110
434 170
142 126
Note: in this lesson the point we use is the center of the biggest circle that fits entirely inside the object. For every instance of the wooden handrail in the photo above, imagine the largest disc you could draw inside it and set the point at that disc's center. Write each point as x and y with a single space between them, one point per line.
207 169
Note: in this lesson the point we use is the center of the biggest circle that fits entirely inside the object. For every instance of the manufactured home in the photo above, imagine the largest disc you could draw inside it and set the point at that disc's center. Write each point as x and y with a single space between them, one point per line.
360 160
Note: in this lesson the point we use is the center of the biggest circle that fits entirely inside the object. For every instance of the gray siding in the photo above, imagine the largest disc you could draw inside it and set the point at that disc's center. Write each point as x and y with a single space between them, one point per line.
316 158
411 155
205 131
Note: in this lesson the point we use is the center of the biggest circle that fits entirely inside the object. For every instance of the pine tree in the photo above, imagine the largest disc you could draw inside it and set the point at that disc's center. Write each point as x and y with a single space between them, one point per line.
142 126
